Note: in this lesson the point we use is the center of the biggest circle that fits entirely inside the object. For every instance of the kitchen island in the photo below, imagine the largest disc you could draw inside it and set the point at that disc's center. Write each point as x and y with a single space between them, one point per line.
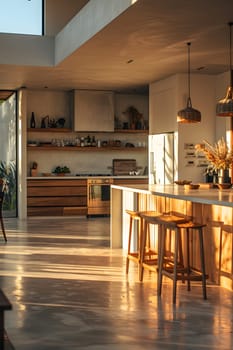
211 206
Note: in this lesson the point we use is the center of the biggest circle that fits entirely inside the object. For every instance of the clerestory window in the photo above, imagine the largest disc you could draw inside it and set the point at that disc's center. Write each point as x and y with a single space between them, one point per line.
22 17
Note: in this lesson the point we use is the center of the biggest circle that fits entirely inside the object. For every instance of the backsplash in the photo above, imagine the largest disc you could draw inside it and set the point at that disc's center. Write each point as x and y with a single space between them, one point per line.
98 160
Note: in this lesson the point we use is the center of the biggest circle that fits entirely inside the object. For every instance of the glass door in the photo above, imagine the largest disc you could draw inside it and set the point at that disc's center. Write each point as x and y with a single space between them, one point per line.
8 151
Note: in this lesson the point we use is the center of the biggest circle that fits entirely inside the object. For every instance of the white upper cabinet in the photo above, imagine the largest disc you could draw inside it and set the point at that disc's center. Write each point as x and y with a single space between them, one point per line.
93 110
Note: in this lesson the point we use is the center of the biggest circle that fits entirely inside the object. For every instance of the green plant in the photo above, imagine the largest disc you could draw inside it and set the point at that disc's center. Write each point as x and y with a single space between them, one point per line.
61 170
8 175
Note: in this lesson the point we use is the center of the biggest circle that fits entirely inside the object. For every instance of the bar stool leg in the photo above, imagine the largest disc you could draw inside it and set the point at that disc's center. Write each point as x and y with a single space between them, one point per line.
220 257
177 239
161 259
188 259
3 229
202 262
143 238
129 243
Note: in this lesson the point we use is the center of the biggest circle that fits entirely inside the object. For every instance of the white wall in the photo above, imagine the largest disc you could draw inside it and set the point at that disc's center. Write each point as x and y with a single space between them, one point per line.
163 106
203 99
223 124
167 97
55 104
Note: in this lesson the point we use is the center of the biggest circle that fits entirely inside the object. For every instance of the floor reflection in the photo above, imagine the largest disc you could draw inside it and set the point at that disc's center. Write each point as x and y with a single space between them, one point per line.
69 291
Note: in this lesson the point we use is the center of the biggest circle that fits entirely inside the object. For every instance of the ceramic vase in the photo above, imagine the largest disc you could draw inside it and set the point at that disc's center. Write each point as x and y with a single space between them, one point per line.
223 176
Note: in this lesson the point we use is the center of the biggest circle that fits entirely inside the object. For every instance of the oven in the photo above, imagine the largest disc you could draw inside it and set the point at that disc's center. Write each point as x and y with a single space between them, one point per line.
99 190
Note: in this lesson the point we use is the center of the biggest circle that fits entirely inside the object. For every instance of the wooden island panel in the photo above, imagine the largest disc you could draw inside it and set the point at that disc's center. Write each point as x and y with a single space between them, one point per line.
213 208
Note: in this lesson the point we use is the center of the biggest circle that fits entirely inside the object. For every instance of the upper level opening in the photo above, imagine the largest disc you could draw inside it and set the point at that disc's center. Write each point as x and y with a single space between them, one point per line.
22 17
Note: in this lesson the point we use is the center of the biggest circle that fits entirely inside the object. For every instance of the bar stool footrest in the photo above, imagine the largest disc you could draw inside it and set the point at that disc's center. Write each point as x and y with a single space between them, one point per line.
133 256
184 274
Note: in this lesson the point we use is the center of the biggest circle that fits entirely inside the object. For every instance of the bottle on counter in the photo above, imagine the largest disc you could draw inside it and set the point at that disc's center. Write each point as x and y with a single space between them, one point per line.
88 141
82 142
32 121
93 142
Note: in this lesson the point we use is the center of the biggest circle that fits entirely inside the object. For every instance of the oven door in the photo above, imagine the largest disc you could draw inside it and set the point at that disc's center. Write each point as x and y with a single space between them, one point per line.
98 199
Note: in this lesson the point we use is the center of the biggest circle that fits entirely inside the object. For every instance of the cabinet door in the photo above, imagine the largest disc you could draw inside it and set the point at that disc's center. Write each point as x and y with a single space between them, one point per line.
93 111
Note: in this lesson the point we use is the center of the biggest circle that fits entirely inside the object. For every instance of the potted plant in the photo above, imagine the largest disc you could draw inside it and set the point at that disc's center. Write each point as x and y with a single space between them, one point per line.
61 170
219 156
8 184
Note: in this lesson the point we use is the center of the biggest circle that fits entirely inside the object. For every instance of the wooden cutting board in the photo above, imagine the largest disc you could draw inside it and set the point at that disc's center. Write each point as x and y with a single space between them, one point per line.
123 166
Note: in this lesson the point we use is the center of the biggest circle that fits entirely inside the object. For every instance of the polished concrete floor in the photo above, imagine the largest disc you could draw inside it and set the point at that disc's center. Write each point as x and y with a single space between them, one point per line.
69 291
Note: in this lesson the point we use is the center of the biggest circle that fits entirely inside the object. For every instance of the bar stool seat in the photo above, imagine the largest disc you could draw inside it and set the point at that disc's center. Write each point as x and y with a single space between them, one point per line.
180 271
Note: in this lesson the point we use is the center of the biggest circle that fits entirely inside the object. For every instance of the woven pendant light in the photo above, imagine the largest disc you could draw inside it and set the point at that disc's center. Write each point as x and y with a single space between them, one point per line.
224 107
188 114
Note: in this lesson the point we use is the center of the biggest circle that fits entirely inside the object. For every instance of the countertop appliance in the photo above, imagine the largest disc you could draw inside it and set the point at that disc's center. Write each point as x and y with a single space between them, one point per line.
98 201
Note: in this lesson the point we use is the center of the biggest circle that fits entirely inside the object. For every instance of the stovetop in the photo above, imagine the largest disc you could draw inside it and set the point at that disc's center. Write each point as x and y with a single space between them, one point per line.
93 174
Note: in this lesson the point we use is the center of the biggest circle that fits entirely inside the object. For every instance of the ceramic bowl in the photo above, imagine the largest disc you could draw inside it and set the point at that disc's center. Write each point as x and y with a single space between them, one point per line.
191 186
182 182
194 186
224 186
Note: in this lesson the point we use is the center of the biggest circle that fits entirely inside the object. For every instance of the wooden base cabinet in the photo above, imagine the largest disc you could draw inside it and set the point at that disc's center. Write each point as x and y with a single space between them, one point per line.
56 197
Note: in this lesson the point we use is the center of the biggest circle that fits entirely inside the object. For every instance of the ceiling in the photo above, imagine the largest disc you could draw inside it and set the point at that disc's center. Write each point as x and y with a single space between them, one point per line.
144 44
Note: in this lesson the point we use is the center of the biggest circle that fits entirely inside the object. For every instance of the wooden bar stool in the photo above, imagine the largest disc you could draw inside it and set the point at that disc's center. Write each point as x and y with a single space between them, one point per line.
225 231
177 271
143 235
133 254
148 257
155 218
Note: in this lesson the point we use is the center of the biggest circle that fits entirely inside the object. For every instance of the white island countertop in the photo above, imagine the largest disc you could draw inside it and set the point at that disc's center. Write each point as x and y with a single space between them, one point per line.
205 196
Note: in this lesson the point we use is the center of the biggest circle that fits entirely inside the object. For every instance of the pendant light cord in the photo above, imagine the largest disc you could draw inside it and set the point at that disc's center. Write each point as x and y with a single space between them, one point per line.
189 89
231 73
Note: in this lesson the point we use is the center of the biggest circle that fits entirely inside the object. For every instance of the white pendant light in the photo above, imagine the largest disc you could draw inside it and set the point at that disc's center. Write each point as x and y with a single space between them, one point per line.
188 114
224 107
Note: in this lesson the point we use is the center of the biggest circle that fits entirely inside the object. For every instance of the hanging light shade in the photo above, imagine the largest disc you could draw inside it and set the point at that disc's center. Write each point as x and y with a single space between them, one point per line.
188 114
224 107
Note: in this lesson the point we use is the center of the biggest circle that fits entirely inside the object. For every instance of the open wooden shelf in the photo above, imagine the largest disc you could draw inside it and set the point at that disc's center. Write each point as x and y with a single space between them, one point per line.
131 131
85 149
49 130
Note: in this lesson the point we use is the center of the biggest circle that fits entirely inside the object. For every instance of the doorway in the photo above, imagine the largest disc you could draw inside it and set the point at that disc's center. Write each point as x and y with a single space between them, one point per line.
8 151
